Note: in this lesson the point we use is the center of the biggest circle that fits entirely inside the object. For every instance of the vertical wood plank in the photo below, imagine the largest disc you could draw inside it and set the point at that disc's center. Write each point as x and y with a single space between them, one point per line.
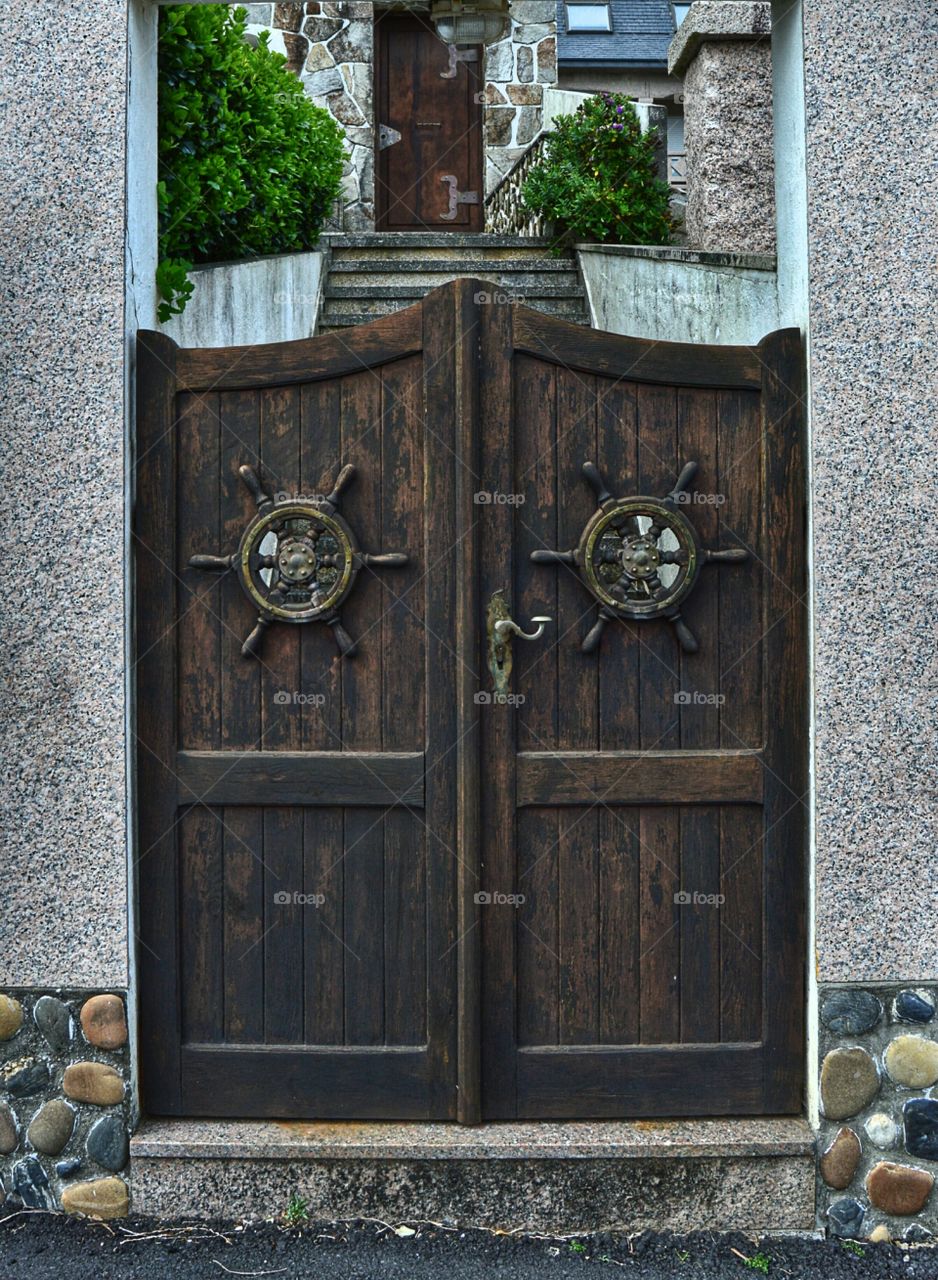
537 933
365 976
659 828
280 654
243 925
200 592
324 926
320 662
239 412
619 926
700 728
200 908
578 931
156 703
405 907
283 926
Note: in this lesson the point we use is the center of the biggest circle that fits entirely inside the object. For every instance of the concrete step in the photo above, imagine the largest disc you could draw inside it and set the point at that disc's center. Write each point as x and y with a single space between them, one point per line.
468 254
553 1178
513 275
537 289
431 239
359 311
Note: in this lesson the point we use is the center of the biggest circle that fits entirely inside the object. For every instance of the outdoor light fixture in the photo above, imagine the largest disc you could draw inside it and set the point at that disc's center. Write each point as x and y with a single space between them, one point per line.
469 21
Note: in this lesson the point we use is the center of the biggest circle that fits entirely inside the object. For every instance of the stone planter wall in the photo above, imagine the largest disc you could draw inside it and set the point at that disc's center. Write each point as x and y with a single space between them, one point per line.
878 1142
65 1112
330 46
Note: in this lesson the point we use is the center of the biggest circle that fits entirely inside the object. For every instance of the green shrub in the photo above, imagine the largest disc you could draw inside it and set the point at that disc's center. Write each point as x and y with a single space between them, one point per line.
247 164
598 179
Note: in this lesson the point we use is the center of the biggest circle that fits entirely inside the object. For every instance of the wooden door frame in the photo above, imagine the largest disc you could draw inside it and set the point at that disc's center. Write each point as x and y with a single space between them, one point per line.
475 142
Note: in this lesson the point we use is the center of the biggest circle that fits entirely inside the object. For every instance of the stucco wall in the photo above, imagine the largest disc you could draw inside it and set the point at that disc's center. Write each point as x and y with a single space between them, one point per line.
872 211
62 366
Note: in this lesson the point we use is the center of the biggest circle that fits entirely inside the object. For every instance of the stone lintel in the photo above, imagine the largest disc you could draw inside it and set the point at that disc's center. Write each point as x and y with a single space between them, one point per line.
717 20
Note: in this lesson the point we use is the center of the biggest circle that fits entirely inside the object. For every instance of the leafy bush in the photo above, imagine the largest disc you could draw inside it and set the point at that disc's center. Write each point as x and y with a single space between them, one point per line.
247 164
598 179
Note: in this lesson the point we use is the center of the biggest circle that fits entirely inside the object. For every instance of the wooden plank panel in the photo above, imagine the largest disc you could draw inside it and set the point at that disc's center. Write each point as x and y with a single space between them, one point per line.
365 974
301 778
538 942
535 525
362 433
659 677
279 364
637 359
619 933
280 655
323 943
617 658
283 926
243 961
689 1080
405 940
740 586
308 1084
200 910
577 679
636 777
155 853
198 632
578 931
785 651
320 661
741 923
401 592
700 728
239 412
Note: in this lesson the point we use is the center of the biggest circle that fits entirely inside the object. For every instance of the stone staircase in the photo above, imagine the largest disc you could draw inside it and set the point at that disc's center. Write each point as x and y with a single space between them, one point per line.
374 274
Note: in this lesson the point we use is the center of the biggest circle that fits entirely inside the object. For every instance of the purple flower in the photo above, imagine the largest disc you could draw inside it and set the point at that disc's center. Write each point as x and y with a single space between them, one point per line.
617 126
619 110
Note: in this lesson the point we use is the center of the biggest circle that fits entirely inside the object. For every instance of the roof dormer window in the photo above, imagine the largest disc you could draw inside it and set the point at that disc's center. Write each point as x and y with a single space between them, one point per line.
588 17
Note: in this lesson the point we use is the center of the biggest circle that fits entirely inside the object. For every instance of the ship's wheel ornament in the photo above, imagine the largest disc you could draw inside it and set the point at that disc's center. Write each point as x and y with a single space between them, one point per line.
297 561
640 557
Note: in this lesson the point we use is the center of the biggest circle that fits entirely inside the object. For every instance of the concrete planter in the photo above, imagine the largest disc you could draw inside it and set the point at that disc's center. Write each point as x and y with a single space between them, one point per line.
680 295
259 300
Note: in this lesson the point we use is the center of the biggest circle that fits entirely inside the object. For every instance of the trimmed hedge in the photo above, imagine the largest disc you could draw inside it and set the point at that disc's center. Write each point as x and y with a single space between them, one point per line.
248 164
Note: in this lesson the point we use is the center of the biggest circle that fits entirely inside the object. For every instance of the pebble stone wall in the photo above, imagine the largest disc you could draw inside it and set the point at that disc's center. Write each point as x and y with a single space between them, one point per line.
64 1102
330 46
878 1142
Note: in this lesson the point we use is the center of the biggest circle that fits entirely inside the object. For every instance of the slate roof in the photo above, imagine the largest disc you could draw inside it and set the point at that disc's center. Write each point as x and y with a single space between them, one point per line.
640 35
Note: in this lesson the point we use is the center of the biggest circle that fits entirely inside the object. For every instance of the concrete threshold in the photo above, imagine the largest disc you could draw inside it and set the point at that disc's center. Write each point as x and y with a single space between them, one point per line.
552 1178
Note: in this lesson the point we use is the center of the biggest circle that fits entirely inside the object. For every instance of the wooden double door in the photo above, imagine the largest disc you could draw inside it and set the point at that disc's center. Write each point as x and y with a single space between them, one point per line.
409 882
429 128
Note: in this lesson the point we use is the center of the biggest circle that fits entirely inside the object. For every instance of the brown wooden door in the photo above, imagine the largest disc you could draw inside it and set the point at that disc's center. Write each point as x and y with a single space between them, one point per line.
429 116
628 778
482 915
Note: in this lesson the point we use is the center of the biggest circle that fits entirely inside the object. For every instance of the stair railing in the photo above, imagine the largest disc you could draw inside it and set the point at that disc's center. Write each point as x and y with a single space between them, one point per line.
505 213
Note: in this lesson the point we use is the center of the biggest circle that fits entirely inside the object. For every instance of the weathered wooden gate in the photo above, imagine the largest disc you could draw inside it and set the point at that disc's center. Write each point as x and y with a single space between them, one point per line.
460 874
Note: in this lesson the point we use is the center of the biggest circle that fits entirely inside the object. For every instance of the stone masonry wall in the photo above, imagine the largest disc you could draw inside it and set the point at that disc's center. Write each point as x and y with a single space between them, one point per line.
330 46
64 1102
878 1143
